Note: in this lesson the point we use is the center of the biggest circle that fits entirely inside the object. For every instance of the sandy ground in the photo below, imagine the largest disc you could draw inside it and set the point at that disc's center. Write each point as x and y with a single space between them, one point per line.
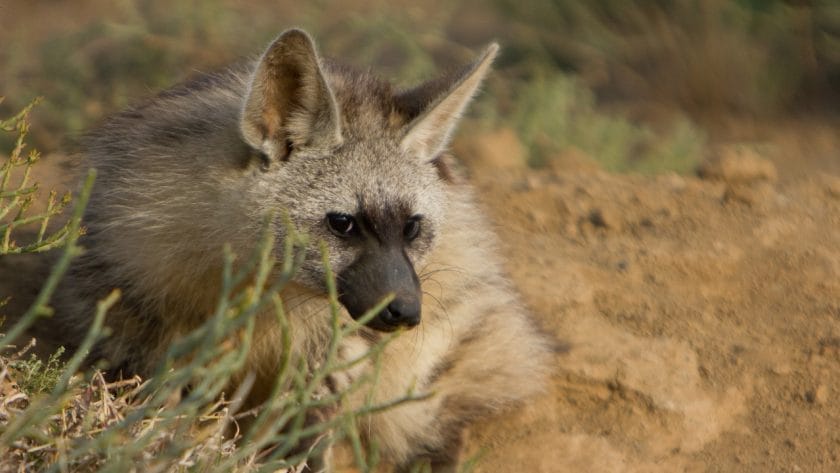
702 314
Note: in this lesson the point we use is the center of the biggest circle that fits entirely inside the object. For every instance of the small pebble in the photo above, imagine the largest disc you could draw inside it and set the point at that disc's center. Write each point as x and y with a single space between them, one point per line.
782 369
818 395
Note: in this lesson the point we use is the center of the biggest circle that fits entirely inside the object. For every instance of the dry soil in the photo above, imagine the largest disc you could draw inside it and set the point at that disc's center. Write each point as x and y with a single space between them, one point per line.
702 314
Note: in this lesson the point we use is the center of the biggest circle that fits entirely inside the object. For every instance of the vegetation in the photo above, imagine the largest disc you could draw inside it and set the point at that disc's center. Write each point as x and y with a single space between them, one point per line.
17 193
556 114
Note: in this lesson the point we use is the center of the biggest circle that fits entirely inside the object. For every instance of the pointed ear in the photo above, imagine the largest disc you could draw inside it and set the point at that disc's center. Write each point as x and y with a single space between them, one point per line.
288 103
438 105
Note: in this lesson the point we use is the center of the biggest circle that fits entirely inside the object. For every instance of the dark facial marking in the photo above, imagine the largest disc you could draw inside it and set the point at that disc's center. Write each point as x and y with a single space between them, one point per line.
385 222
382 267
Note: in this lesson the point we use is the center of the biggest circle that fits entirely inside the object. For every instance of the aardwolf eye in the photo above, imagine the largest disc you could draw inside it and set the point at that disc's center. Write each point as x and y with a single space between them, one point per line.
341 225
412 228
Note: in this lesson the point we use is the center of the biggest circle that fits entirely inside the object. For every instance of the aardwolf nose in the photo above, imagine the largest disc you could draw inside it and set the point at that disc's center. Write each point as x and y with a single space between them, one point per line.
402 313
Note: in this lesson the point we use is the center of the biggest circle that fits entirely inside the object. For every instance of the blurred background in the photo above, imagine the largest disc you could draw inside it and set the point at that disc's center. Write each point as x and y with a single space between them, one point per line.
642 86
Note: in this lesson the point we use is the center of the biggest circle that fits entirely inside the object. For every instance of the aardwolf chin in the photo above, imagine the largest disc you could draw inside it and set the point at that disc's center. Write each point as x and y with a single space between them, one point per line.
351 162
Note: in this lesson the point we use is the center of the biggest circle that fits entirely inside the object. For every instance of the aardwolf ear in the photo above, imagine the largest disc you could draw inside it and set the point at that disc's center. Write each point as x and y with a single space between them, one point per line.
288 103
438 105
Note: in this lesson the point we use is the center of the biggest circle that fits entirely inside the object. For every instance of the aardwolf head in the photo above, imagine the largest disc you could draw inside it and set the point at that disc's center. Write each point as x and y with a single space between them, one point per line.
354 163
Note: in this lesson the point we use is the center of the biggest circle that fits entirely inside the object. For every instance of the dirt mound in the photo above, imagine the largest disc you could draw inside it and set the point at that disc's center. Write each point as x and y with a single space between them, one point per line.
702 314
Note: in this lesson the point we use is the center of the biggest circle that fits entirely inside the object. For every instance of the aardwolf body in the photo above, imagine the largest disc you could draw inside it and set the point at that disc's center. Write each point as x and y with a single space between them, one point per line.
352 162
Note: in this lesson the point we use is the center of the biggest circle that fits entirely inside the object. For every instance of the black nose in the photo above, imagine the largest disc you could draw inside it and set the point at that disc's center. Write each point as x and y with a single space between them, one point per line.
402 313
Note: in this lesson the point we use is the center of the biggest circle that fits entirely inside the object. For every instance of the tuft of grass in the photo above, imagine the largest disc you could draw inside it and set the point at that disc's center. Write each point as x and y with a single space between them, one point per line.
17 192
35 376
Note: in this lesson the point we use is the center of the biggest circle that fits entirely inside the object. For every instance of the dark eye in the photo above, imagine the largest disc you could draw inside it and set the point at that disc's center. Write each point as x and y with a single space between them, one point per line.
342 225
412 228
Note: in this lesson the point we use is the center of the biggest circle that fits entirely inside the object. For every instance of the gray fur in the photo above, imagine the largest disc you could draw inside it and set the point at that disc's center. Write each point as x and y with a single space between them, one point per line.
182 174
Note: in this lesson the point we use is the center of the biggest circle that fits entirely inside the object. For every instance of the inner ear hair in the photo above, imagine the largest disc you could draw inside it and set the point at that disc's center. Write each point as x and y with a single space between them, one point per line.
439 108
288 102
265 160
449 169
442 167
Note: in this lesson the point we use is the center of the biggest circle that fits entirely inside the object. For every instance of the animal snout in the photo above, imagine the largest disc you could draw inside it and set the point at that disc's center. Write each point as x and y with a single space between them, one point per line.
374 275
401 312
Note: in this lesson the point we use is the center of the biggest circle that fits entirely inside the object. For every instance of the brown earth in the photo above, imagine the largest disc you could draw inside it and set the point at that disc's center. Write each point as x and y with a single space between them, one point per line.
702 314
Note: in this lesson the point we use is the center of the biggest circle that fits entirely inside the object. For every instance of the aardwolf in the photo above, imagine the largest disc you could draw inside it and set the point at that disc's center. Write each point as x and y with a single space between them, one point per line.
350 161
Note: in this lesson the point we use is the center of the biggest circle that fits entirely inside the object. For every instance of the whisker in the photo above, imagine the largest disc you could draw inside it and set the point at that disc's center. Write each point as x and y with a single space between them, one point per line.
445 311
440 286
454 269
420 333
304 302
